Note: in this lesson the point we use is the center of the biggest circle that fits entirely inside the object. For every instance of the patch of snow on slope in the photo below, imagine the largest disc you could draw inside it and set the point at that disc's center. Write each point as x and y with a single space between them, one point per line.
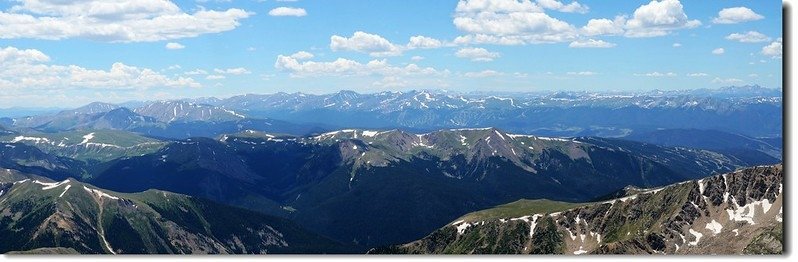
65 190
86 138
746 213
99 193
48 186
368 133
697 235
714 226
28 138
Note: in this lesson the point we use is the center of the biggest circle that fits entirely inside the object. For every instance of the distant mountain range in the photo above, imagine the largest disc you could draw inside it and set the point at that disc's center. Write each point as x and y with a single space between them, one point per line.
750 110
735 213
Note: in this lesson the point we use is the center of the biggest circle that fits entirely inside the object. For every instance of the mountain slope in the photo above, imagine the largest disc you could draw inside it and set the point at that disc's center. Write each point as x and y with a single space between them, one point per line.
41 216
733 213
712 140
89 145
413 183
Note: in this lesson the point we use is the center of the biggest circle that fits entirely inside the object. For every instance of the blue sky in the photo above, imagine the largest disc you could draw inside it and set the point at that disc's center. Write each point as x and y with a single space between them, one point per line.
67 54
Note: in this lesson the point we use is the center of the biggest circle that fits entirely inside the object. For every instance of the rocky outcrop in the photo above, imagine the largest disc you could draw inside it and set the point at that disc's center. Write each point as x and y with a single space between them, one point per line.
734 213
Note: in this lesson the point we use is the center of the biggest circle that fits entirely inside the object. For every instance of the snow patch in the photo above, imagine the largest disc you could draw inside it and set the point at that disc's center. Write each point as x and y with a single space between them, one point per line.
99 193
697 235
367 133
48 186
65 190
87 138
714 226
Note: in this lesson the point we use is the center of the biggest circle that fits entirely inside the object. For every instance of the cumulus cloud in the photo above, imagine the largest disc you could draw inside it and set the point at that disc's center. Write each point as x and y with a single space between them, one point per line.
736 15
232 71
697 74
417 58
196 72
748 37
424 42
288 11
508 22
677 45
582 73
26 69
346 67
591 43
658 18
302 55
774 49
116 21
483 74
604 26
477 54
719 80
215 77
573 7
718 51
363 42
174 46
657 74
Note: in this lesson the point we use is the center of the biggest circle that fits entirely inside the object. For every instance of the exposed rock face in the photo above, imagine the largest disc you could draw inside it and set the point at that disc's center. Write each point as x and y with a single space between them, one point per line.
734 213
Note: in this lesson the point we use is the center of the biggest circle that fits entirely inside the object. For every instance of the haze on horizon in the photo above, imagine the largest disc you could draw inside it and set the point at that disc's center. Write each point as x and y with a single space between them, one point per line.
152 49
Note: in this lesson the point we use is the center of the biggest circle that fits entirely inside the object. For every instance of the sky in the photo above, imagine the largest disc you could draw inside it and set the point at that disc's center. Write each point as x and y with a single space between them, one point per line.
56 53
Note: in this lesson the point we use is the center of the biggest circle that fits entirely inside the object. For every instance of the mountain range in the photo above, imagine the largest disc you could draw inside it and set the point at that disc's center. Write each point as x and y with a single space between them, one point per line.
290 179
734 213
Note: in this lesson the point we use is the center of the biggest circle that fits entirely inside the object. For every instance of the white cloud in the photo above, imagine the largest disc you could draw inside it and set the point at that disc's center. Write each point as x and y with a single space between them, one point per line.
604 26
697 74
26 69
174 46
753 75
232 71
215 77
591 43
288 11
173 67
658 18
736 15
748 37
342 67
302 55
719 80
718 51
372 44
424 42
583 73
483 74
774 49
657 74
573 7
117 21
417 58
508 22
677 45
477 54
196 72
251 49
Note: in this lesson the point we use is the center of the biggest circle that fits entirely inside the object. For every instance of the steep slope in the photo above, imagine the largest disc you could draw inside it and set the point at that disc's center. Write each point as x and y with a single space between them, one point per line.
41 216
720 141
733 213
89 145
31 160
182 111
411 183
